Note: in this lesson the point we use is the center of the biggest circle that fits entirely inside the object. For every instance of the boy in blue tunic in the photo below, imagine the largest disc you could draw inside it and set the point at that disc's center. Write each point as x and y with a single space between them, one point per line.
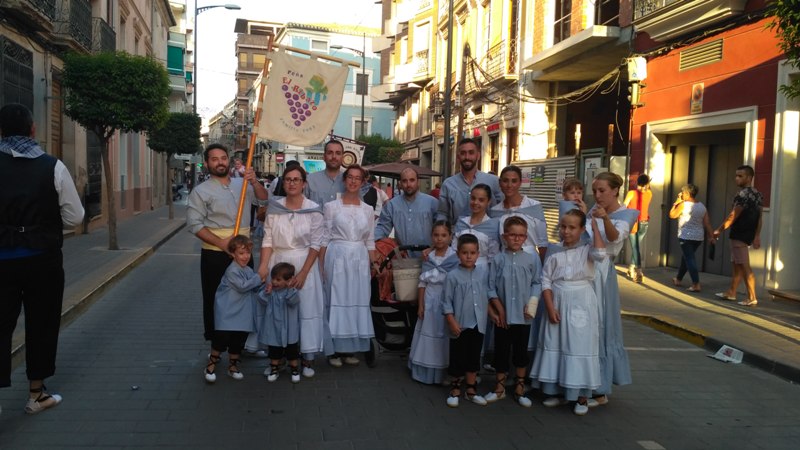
514 279
466 299
233 309
280 327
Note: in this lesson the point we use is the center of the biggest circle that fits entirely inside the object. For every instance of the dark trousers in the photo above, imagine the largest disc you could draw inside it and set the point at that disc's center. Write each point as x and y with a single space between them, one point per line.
465 352
37 284
688 262
230 341
212 268
511 341
291 352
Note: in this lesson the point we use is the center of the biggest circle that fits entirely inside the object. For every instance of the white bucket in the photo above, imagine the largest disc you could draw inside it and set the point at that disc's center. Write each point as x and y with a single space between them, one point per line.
405 273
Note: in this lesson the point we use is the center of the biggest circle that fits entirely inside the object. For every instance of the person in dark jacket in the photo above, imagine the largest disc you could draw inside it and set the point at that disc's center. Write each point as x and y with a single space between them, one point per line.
37 200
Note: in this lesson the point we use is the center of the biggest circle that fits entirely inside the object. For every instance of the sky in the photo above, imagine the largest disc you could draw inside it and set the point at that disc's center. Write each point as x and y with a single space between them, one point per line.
216 44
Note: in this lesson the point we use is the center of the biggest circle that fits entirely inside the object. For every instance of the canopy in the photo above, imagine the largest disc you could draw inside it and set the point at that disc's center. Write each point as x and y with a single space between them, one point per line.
393 170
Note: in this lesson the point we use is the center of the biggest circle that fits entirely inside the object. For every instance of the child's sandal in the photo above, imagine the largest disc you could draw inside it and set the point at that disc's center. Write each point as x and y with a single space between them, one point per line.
473 396
273 372
521 399
499 390
233 369
213 360
42 401
455 393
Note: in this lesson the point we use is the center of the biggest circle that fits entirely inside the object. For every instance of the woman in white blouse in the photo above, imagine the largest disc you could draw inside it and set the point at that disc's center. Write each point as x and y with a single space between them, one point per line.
348 246
693 226
293 233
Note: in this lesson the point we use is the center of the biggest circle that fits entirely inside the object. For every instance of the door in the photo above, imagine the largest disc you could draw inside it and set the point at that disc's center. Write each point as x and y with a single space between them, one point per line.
709 161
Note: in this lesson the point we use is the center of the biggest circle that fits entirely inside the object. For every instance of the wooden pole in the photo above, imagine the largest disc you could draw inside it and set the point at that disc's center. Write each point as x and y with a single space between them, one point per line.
254 134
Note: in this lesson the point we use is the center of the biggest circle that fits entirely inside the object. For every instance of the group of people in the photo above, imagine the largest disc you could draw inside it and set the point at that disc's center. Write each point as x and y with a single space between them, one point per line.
488 265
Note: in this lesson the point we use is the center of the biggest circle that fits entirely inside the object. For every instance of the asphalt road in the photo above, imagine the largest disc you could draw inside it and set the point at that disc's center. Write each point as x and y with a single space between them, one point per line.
130 371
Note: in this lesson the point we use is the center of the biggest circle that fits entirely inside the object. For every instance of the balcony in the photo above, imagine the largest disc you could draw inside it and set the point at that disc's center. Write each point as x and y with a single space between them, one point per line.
669 19
39 15
585 56
104 38
73 25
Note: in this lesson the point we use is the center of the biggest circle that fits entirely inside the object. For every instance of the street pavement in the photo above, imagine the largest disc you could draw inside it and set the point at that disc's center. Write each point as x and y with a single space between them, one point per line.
130 369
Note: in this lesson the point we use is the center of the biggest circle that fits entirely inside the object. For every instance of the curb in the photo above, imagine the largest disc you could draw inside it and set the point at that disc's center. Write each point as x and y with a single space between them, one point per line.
74 311
700 339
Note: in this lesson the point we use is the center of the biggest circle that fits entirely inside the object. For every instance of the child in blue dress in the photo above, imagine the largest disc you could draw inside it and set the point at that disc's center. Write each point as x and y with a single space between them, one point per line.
567 356
279 329
430 344
234 305
466 299
514 279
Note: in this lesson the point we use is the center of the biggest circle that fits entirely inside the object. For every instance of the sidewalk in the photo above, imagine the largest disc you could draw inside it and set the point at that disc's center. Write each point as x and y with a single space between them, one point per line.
89 267
768 334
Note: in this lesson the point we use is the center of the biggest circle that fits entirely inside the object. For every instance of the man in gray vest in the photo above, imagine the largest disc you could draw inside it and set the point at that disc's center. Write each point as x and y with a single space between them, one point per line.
37 199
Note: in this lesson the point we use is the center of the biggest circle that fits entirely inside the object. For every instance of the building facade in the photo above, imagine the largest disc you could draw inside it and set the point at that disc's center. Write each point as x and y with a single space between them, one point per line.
34 36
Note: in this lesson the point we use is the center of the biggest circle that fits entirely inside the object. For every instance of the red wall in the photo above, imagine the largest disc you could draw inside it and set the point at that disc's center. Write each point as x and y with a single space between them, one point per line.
746 76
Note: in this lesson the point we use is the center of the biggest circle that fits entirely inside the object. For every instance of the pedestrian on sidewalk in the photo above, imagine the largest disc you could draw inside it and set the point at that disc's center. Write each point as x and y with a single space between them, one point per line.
234 304
211 216
614 223
638 199
693 226
37 200
744 221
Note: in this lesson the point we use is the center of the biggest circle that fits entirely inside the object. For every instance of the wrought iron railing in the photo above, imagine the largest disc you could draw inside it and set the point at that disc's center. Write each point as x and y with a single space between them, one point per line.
104 38
75 22
46 7
643 8
495 62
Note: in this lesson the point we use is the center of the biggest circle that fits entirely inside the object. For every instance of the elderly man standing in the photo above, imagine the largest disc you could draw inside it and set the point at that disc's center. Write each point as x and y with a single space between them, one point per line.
454 194
411 215
37 199
327 185
211 216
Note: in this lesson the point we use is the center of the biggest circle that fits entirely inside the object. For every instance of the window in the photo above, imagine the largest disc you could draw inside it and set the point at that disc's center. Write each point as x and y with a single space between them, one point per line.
361 128
319 46
16 74
563 17
242 59
258 60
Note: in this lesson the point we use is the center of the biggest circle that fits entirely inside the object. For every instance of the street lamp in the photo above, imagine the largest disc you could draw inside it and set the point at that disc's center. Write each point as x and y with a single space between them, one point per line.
196 66
362 86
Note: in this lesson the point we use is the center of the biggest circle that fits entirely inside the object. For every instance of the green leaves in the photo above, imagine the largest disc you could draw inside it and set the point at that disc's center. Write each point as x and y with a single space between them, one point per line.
116 91
787 24
179 134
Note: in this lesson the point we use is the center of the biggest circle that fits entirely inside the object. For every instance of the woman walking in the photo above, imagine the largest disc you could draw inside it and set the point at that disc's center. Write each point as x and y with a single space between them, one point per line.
693 225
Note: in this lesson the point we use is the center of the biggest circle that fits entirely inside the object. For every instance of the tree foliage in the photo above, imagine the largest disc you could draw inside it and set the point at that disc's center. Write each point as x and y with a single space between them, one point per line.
787 26
179 134
113 91
110 92
381 150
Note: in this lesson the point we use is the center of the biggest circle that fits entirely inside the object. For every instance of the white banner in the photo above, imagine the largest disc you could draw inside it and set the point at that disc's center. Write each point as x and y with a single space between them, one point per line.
353 150
302 99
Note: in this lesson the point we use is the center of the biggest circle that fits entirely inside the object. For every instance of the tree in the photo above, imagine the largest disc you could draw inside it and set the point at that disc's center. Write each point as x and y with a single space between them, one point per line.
179 134
381 150
787 23
110 92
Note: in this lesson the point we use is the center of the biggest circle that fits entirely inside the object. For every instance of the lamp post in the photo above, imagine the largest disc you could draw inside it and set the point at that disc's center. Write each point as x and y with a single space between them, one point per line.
362 87
197 11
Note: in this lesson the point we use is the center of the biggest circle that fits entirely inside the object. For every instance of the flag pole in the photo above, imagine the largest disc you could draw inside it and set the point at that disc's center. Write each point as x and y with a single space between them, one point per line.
254 134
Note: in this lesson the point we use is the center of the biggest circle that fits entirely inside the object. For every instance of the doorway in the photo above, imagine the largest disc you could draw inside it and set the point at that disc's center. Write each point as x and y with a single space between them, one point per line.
709 161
